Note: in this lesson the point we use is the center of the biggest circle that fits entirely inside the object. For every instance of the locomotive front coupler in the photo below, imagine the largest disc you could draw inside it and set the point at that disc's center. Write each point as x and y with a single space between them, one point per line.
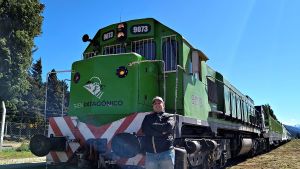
95 154
58 143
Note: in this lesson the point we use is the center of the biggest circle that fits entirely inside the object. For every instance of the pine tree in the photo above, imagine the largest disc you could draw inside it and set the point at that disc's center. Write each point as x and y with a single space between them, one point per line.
54 95
66 96
36 95
20 22
57 96
36 71
268 110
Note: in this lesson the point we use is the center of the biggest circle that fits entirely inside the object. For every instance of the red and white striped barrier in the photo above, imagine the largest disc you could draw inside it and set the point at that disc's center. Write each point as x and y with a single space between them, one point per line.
72 128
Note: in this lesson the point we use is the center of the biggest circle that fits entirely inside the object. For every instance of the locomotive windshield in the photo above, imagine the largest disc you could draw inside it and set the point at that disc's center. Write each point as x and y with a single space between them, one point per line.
113 49
144 47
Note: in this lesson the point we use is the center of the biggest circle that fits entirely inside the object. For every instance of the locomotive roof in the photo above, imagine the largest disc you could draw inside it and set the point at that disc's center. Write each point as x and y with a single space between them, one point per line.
201 54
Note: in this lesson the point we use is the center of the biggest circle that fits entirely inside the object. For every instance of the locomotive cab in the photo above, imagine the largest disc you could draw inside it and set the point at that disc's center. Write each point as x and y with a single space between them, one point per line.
124 66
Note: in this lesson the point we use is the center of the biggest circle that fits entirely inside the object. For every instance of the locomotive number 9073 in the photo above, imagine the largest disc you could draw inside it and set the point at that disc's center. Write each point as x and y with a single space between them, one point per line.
140 29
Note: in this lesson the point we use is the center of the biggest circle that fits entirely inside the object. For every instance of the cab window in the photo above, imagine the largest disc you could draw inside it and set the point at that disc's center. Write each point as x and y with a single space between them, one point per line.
113 49
145 47
170 52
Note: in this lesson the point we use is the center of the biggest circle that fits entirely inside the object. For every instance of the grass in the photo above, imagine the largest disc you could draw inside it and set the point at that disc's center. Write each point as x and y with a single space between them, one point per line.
12 154
15 153
286 156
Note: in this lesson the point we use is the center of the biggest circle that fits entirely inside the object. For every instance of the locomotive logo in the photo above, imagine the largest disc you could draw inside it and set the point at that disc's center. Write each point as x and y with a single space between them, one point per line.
95 87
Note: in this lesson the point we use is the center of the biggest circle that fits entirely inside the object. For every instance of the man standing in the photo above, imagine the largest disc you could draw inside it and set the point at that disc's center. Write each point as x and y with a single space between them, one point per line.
158 128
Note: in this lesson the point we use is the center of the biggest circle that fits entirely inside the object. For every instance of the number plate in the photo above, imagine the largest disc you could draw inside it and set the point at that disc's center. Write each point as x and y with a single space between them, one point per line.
108 35
140 29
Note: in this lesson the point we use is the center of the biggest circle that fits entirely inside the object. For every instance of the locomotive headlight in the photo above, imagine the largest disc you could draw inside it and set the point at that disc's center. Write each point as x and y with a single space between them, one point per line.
120 34
122 72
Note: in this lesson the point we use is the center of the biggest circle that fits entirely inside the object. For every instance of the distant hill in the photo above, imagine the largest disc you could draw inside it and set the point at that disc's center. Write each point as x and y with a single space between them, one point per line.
294 130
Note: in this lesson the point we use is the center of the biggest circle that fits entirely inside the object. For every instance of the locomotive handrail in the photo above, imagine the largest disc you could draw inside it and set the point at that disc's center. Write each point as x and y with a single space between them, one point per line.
46 92
176 87
152 61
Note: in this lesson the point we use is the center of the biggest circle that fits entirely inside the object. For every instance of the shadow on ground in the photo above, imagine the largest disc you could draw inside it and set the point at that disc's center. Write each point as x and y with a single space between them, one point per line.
24 166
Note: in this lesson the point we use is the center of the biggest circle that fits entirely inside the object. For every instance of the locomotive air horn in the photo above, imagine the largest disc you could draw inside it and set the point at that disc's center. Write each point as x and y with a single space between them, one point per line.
86 38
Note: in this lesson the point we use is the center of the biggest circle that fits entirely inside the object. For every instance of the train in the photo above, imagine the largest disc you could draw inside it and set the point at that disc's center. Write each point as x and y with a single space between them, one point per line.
123 67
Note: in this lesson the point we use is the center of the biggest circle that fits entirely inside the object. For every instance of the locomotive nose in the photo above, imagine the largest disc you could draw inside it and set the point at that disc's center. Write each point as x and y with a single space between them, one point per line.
107 88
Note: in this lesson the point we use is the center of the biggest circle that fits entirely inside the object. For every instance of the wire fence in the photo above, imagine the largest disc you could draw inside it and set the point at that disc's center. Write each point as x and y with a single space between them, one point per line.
23 131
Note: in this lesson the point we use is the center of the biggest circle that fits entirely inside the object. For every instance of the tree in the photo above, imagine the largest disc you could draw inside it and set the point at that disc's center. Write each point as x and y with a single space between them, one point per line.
53 95
56 91
268 110
36 72
35 98
66 94
20 22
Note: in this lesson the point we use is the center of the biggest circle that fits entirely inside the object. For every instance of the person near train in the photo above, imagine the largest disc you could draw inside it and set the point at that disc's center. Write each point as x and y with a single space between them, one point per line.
158 128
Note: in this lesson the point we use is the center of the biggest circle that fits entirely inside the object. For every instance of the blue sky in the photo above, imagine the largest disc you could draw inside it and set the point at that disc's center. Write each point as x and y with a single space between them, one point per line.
255 44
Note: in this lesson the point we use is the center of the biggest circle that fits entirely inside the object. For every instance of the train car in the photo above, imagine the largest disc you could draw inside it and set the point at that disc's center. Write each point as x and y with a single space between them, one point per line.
124 66
273 131
289 136
286 136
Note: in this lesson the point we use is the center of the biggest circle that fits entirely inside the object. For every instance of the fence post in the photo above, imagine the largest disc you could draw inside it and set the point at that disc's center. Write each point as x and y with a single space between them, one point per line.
20 131
28 128
10 129
2 125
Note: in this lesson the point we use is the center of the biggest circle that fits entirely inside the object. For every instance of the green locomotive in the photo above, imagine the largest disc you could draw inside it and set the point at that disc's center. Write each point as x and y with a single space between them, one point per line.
124 66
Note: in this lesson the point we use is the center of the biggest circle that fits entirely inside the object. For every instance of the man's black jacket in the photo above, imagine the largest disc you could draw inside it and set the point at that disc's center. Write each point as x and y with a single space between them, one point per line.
159 130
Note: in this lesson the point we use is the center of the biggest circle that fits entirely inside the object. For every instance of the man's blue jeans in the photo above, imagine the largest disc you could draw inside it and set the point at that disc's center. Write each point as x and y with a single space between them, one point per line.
163 160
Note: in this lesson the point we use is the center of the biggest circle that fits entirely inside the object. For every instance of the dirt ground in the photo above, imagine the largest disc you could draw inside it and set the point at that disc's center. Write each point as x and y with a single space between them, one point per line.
12 144
286 156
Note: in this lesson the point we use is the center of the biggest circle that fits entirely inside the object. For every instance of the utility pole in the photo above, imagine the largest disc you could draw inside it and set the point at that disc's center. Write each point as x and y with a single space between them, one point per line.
2 125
